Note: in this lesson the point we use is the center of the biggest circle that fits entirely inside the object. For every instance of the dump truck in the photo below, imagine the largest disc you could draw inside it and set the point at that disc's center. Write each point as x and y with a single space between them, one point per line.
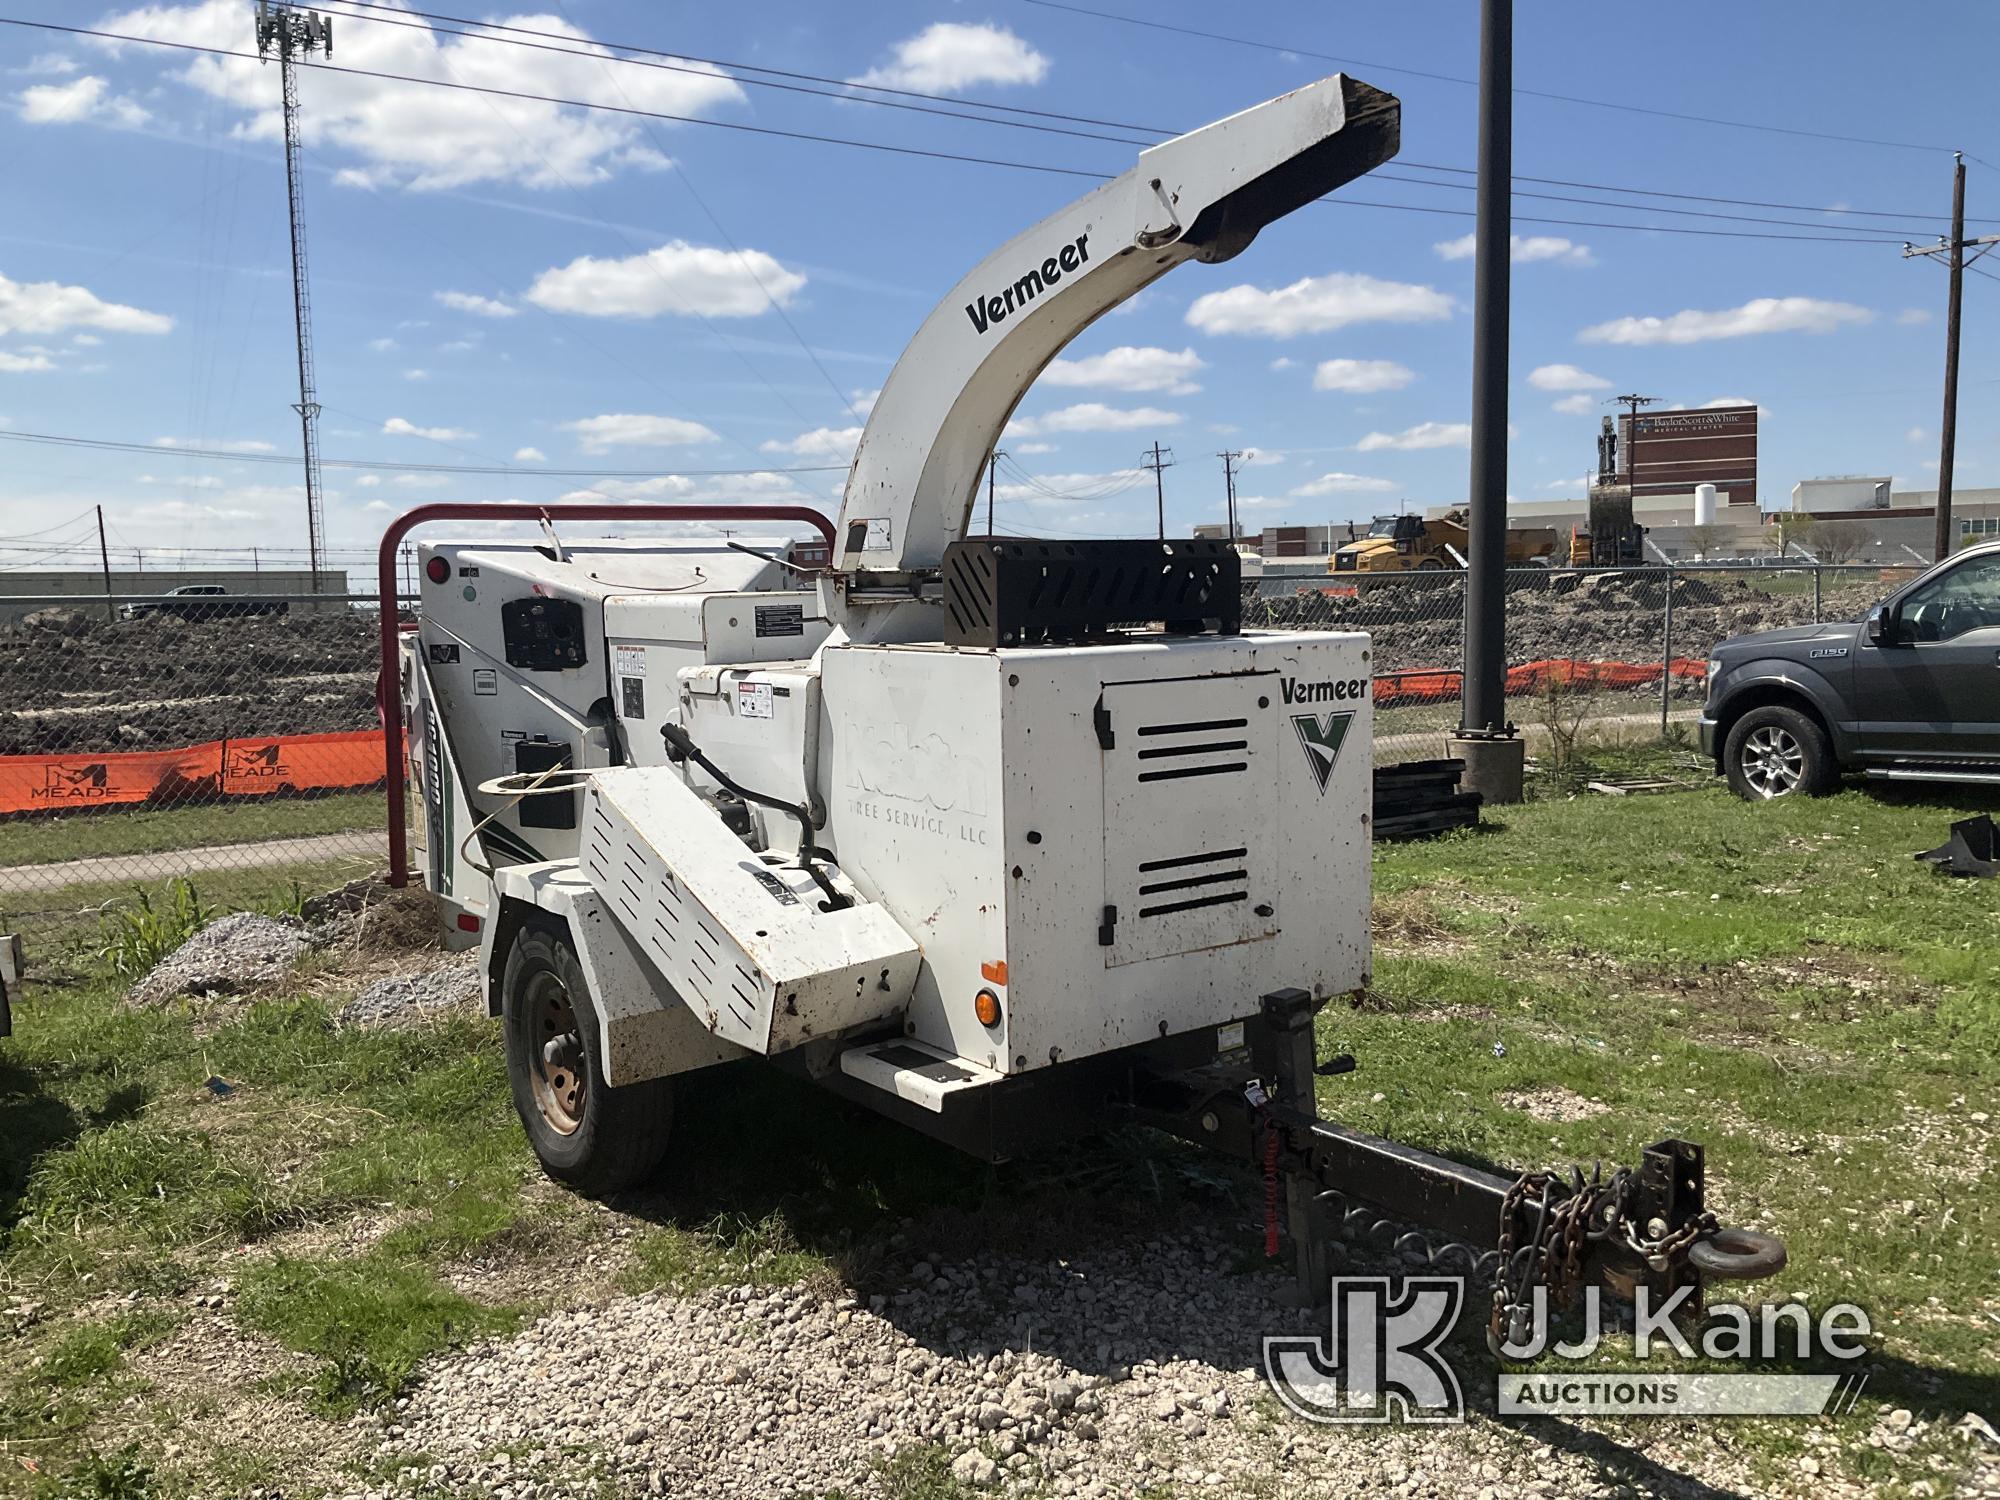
1008 840
1400 544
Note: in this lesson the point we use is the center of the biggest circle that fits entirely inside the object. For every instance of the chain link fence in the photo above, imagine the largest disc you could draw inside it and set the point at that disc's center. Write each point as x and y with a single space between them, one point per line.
234 743
139 743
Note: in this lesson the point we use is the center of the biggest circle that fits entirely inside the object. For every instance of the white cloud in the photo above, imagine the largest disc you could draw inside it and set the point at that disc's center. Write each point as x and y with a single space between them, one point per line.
1343 484
382 345
416 374
19 364
1727 401
821 442
433 138
226 445
401 427
727 488
1026 449
1566 378
1054 491
1092 416
1282 362
1522 249
1423 435
1574 406
633 430
953 55
83 99
472 302
1127 368
1253 458
1361 376
51 307
85 341
1317 304
1915 435
1910 317
367 481
675 278
530 456
862 400
48 65
1763 315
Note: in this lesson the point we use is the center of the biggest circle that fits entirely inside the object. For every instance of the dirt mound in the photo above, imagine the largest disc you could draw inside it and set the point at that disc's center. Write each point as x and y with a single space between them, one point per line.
400 998
239 952
374 916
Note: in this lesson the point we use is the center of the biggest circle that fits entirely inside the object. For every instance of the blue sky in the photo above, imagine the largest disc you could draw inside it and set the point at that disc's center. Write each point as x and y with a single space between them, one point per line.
507 283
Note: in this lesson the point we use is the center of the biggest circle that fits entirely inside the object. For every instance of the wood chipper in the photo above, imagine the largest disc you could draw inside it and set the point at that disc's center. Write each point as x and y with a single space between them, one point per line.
1005 839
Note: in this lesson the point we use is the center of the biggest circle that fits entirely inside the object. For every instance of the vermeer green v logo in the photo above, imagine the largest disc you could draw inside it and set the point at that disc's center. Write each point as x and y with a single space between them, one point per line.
1322 736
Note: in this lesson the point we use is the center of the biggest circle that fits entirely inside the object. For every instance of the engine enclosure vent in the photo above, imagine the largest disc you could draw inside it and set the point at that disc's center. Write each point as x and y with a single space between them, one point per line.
1019 591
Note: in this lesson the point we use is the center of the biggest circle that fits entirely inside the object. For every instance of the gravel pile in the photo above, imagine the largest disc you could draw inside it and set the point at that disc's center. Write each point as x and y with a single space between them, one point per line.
232 954
1129 1369
405 997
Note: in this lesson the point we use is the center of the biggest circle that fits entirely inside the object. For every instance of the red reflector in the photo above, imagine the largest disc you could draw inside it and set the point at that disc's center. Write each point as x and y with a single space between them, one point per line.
467 922
437 570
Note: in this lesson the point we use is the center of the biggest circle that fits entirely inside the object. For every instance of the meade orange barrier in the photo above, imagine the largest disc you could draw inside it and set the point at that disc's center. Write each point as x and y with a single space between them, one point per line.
255 767
1431 686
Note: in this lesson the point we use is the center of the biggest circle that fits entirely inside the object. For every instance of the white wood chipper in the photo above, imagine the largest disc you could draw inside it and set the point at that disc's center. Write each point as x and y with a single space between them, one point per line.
1006 839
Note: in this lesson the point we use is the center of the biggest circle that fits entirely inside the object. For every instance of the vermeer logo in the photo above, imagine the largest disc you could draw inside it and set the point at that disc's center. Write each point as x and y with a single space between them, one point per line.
987 311
1322 736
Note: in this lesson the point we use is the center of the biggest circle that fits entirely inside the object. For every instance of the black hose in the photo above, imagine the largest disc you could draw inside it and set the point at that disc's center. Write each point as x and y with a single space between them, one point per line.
681 746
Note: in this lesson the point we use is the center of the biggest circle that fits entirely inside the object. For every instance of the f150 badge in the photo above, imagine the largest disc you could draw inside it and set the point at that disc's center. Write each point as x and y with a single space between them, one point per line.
1820 651
1322 736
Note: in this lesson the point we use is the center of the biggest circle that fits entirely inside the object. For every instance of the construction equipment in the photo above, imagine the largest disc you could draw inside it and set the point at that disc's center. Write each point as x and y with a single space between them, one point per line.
1005 839
1609 537
1402 544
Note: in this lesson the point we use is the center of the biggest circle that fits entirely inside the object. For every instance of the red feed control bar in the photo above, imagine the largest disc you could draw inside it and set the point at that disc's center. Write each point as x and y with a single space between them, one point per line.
389 685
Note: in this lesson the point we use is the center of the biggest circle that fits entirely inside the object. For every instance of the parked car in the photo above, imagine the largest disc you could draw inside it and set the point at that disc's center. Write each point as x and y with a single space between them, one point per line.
203 601
1910 693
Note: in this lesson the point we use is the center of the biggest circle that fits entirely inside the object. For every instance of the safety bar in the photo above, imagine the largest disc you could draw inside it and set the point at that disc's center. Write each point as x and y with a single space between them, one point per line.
389 684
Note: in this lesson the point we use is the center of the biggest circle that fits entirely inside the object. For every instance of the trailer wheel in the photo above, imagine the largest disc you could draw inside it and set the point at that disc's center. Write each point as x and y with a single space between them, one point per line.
595 1138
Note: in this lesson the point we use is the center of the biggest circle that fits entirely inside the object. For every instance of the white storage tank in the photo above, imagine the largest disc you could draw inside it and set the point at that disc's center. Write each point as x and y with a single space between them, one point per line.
1704 505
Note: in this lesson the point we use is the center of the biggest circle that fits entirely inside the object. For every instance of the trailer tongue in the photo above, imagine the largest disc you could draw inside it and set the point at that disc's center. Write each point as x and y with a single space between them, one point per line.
1006 839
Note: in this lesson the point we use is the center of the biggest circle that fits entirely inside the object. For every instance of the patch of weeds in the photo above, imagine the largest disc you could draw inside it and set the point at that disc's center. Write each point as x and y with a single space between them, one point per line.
919 1472
727 1251
136 934
117 1476
91 1351
370 1319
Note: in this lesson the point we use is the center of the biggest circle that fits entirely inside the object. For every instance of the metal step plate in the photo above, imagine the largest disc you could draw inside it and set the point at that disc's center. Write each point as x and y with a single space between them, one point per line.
910 1070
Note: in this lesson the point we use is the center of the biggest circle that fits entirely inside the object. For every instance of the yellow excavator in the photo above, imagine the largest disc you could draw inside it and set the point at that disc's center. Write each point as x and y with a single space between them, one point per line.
1402 544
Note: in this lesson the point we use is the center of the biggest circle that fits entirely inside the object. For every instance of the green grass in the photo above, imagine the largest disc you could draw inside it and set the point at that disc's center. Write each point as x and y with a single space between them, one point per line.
40 841
1782 983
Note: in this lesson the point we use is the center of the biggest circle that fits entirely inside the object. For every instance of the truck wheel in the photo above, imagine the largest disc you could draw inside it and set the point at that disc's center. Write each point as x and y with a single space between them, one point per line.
1430 565
1776 751
595 1138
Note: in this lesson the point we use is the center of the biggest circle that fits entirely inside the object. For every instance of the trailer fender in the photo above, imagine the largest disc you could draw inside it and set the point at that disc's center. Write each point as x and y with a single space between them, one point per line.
645 1030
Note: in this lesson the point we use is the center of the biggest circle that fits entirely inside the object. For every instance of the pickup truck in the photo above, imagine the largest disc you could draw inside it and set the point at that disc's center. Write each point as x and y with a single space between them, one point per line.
202 601
1911 693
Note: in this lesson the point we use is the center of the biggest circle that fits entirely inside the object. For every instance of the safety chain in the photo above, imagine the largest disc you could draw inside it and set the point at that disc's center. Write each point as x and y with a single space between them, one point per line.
1569 1218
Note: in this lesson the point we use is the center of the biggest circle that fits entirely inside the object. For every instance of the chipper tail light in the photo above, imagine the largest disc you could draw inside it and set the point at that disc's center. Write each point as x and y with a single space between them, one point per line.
437 570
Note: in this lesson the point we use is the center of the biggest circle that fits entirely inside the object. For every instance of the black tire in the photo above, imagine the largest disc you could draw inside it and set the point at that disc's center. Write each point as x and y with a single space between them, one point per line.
1774 752
1430 565
586 1134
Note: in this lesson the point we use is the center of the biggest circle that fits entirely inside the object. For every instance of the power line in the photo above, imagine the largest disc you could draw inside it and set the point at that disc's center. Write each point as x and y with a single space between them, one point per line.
1636 109
154 450
845 92
888 148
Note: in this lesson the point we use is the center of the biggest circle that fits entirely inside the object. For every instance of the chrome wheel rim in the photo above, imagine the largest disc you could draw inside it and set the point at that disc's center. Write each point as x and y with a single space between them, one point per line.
557 1067
1774 761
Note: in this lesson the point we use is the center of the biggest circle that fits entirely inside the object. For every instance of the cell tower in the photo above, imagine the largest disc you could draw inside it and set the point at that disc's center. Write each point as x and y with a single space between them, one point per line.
286 33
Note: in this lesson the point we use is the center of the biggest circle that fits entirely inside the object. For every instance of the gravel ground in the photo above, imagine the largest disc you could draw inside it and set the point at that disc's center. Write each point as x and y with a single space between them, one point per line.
400 998
1126 1370
232 954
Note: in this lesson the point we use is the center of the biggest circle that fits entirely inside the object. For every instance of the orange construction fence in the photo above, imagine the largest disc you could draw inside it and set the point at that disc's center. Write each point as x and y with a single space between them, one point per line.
1432 686
251 767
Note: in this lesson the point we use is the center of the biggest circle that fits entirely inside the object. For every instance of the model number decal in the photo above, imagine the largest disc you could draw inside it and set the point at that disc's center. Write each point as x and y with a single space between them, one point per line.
1827 651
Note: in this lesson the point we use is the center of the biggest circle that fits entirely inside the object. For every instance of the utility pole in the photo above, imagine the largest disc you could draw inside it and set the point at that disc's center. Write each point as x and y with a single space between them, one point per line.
285 31
992 467
1632 404
104 561
1229 488
1159 461
1953 250
1492 751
